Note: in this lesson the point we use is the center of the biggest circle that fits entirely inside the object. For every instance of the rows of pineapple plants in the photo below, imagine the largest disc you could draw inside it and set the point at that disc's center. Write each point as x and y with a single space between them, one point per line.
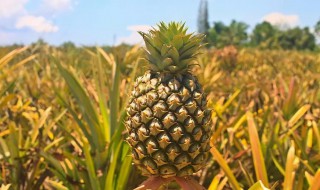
268 128
62 112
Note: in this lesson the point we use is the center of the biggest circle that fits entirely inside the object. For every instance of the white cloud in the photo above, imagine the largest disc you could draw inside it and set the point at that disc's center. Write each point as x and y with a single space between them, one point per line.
9 8
134 37
58 5
36 23
280 19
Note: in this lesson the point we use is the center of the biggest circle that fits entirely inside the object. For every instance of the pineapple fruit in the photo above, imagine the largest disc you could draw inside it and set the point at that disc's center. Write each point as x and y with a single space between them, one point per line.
168 121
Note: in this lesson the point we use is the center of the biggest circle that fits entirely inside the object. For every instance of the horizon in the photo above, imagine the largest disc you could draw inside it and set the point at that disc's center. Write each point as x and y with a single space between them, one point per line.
114 22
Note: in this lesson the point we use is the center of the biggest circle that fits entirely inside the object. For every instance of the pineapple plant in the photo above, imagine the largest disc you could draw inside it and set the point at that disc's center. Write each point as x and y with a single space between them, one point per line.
168 122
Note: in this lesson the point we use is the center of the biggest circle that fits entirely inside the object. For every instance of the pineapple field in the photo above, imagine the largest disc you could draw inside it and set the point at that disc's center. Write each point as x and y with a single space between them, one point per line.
70 117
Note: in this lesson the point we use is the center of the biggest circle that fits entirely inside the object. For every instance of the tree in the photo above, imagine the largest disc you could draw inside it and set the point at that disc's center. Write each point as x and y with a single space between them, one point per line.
203 24
214 33
237 33
222 35
67 46
40 42
268 36
263 35
297 38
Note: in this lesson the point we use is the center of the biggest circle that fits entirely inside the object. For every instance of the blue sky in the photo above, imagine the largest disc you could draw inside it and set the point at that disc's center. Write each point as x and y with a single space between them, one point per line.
114 21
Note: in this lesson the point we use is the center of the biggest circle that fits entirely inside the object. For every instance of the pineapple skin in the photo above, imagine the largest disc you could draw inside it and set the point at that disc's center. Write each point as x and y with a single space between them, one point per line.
168 124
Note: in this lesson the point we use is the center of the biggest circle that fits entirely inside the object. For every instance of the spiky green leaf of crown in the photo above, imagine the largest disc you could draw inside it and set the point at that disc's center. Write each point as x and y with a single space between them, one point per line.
170 49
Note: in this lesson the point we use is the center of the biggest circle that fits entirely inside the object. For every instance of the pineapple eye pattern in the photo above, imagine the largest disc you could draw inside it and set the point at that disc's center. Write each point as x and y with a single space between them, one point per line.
173 130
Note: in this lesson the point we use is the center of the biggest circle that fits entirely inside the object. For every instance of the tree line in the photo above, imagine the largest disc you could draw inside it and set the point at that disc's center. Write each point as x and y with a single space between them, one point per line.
264 35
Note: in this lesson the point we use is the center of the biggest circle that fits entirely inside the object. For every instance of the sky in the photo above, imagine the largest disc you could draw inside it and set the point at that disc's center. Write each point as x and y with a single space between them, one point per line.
111 22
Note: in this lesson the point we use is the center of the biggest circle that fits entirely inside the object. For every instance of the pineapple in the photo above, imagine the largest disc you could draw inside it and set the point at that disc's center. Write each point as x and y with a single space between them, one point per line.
168 121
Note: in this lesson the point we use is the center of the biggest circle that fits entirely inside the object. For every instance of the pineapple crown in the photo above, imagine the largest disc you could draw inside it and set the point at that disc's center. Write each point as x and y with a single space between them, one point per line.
170 49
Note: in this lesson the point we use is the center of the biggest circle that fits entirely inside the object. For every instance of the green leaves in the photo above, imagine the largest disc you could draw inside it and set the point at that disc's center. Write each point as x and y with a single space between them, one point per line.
86 107
102 147
94 182
114 98
171 41
177 41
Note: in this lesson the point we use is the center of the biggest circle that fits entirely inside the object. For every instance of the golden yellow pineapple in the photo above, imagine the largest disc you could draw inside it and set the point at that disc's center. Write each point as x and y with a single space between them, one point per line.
168 121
